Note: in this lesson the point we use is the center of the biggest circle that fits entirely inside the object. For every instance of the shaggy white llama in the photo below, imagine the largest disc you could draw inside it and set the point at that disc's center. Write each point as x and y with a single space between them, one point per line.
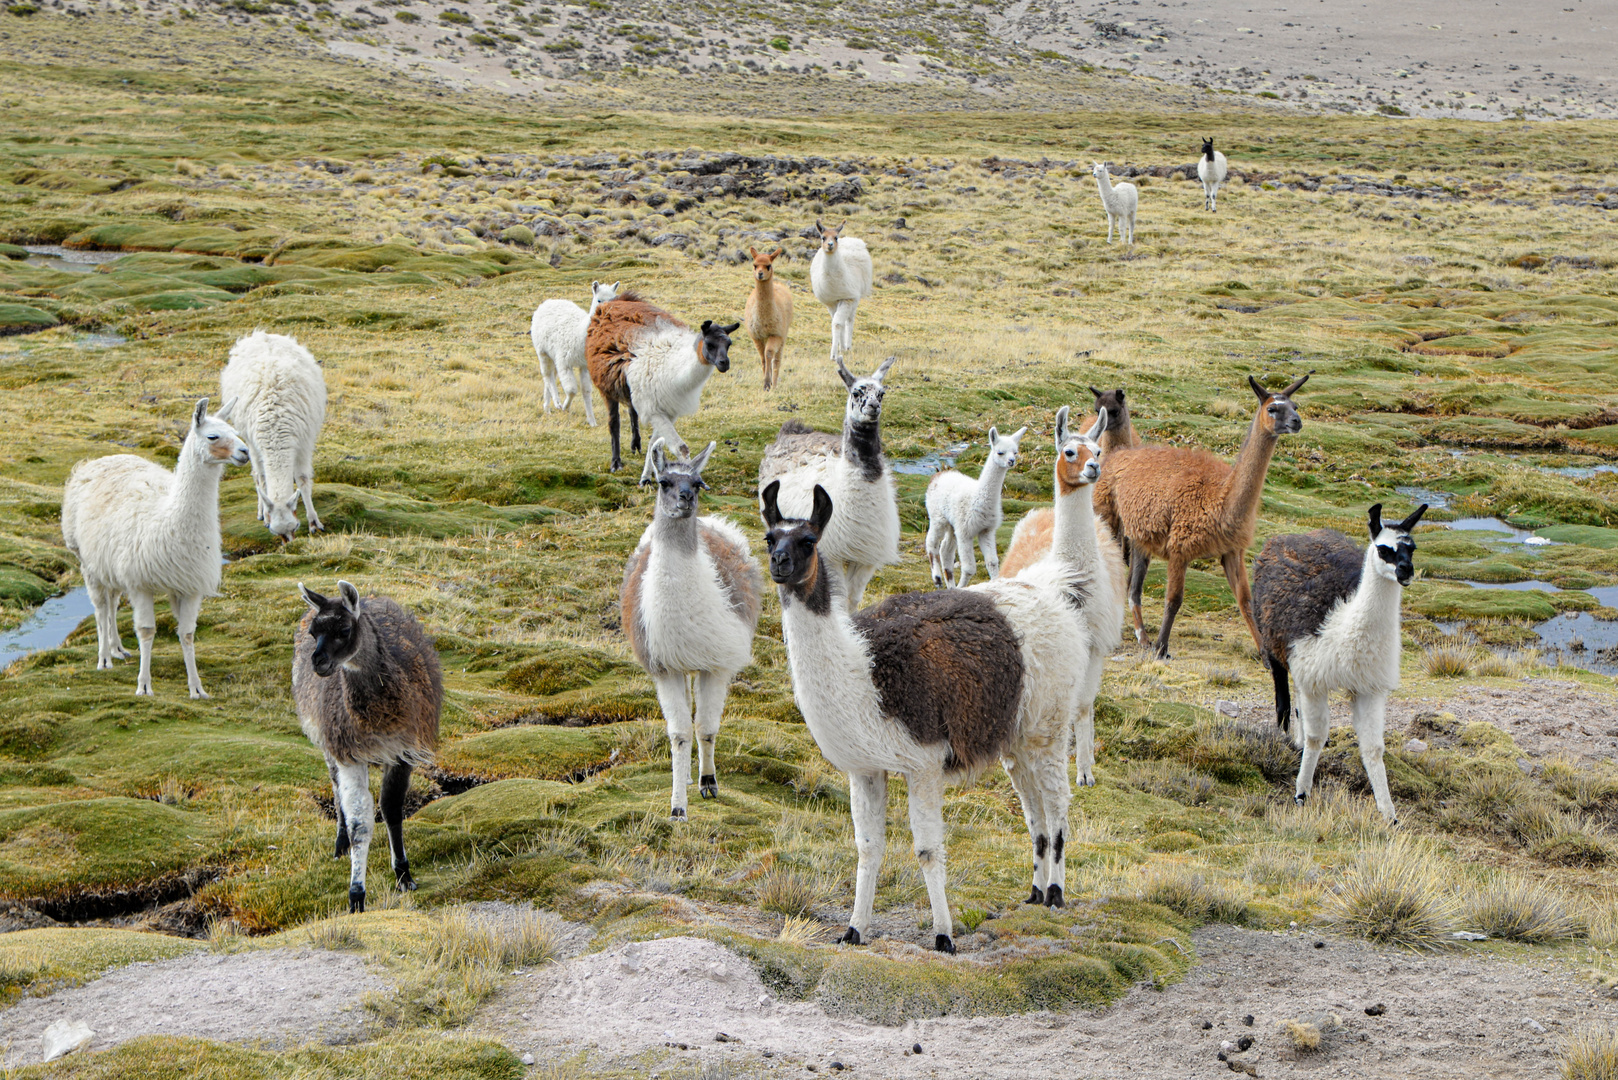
1211 170
280 395
962 512
1120 202
558 330
840 277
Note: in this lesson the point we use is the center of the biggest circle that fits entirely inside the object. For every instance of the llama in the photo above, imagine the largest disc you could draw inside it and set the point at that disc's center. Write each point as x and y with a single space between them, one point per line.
1069 534
961 512
280 396
769 313
865 536
840 277
1181 504
558 330
934 685
690 604
1211 170
645 358
1120 430
1120 201
139 530
367 684
1328 612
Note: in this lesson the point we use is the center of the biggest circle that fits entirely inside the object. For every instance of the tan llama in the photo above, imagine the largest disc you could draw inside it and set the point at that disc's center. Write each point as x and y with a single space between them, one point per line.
769 313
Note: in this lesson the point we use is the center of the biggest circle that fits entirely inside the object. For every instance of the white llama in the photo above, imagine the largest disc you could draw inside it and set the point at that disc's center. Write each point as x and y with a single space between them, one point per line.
1120 202
558 330
1211 170
139 530
840 277
280 396
1328 612
962 512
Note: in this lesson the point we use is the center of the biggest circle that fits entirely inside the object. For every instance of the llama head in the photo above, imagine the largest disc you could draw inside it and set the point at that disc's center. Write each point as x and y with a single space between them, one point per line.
1098 169
1078 453
1003 448
1207 149
714 348
678 481
213 436
829 237
792 542
763 263
334 628
1395 550
1276 413
1112 403
601 292
865 395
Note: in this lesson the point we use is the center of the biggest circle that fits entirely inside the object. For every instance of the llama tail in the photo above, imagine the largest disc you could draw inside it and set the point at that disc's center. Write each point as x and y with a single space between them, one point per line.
1283 693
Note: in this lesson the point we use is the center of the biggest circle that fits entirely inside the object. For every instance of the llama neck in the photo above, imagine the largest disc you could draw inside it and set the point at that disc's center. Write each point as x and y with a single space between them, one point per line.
1073 537
1208 153
673 535
862 447
986 499
370 677
1104 182
765 291
1245 485
194 499
1376 603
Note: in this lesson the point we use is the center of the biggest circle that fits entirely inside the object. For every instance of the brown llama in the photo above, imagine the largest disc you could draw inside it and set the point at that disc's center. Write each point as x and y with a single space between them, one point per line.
643 357
769 313
1182 504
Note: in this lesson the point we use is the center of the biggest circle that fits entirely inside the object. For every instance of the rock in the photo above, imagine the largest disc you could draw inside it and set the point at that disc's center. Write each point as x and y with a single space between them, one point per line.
765 1001
1533 1025
527 1059
916 1049
724 1038
1229 708
1248 1020
718 972
65 1036
1207 1025
1415 746
1468 935
629 959
1375 1010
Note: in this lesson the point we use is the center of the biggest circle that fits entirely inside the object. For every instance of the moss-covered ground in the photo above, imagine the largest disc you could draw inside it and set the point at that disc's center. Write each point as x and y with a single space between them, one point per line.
1451 286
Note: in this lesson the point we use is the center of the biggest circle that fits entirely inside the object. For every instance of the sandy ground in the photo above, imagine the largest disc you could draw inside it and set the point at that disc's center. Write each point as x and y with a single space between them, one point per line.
1460 1014
281 996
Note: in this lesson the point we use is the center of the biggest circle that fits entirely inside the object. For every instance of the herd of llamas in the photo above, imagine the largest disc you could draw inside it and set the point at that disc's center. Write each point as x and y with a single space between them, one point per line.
935 685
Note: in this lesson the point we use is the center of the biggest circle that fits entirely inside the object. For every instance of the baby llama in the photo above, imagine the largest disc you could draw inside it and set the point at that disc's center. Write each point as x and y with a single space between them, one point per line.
1120 201
280 396
852 468
558 330
963 512
367 684
139 530
934 686
690 604
1211 170
840 277
1328 613
643 357
769 313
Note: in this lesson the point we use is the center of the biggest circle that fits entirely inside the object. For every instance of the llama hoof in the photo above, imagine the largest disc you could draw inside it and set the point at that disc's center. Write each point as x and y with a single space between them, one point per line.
678 813
119 653
851 937
406 882
942 943
1036 896
1300 797
1086 780
356 899
316 526
103 665
143 691
1053 897
709 786
199 692
342 844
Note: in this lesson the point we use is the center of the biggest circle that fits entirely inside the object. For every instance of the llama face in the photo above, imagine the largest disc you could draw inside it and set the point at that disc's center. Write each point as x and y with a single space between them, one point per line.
219 441
1098 169
678 482
1395 549
1112 403
601 292
334 628
828 237
1078 455
1207 149
1003 448
792 542
715 346
865 395
1277 414
763 268
283 520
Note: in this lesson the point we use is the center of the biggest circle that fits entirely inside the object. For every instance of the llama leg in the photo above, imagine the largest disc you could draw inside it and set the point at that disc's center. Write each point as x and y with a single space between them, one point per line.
772 360
584 392
612 430
1370 714
712 686
337 804
858 576
1056 793
1033 812
1138 563
936 531
306 485
395 784
105 602
1173 594
1109 226
1084 724
634 430
969 566
547 394
848 327
926 802
1316 710
868 802
991 554
763 359
1235 564
946 557
674 697
359 813
185 614
142 603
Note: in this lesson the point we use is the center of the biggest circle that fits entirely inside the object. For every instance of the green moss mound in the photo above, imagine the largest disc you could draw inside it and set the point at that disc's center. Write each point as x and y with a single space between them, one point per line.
534 751
162 1057
24 319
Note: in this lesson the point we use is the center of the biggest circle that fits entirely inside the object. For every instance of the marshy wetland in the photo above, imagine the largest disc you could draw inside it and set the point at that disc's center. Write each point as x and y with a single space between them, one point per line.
1451 285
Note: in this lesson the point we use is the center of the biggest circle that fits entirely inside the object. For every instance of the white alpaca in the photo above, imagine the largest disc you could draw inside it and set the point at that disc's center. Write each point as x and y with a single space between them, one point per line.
865 535
1211 170
139 530
1328 611
933 685
280 395
840 277
962 512
1120 201
669 371
690 604
558 330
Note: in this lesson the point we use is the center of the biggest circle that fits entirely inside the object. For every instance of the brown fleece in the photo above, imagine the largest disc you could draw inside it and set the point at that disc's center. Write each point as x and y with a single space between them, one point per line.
1297 580
629 603
616 330
1030 540
948 666
738 574
386 711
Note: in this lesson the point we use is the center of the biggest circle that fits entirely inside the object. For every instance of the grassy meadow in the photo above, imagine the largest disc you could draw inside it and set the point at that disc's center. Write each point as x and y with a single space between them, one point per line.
1451 285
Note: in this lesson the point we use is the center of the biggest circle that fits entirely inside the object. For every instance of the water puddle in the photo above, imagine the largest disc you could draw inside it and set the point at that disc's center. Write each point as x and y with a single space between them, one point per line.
1495 525
47 627
934 461
1514 586
71 260
1581 640
104 340
1581 472
1438 500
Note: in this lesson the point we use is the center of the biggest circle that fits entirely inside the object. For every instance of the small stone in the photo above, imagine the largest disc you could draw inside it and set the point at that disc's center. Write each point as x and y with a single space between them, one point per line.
765 1001
65 1036
1375 1010
1248 1020
1468 935
916 1049
527 1059
1244 1044
836 1066
1415 746
1320 944
1229 708
1535 1026
1207 1025
724 1038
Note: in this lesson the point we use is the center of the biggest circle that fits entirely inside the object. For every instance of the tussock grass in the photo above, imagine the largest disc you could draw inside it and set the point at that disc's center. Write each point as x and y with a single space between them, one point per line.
796 930
1521 910
1393 895
1451 660
1194 895
1306 1036
336 934
789 891
1171 781
465 955
1591 1054
1510 664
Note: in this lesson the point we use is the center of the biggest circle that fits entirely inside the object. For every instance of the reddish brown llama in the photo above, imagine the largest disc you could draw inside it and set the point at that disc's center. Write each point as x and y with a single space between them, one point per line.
1183 504
769 313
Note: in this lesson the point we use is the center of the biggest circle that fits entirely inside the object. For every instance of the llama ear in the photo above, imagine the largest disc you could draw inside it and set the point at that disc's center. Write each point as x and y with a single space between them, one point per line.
1376 521
656 461
1293 389
779 253
594 285
1016 436
707 324
617 284
994 436
771 512
1409 523
312 598
819 228
701 460
842 225
848 377
822 511
887 365
1096 392
226 409
1098 428
732 328
1061 426
350 596
200 414
1120 393
753 251
1258 388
